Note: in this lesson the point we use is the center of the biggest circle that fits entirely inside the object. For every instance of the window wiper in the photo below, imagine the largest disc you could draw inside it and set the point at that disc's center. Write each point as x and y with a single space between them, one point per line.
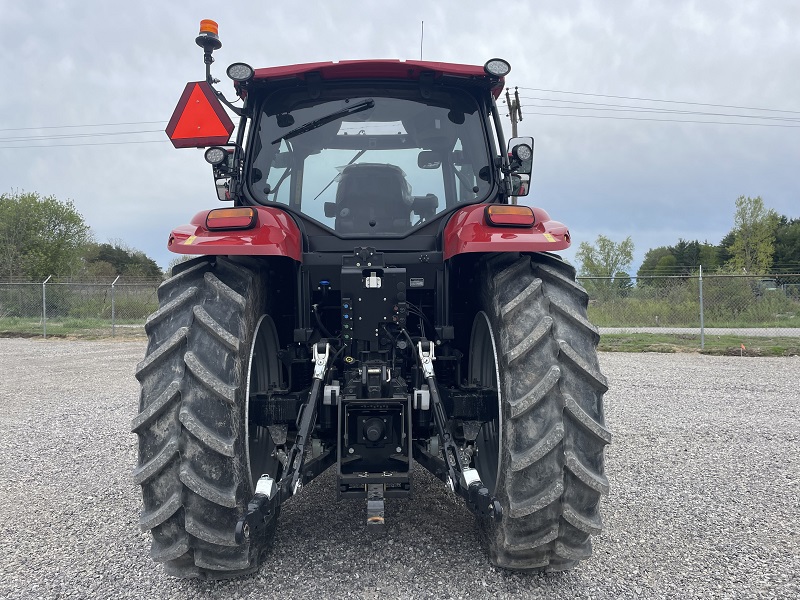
349 110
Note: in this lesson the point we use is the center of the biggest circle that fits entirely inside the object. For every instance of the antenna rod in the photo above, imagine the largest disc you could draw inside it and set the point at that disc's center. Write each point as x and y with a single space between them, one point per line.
421 39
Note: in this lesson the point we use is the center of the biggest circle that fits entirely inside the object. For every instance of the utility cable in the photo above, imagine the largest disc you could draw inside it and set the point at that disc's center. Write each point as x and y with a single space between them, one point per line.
659 100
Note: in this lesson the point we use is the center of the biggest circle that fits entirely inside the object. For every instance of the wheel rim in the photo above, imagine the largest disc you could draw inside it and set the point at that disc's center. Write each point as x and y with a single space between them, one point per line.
264 372
483 370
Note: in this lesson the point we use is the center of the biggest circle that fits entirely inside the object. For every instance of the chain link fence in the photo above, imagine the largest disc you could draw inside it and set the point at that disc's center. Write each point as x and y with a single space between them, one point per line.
764 305
85 308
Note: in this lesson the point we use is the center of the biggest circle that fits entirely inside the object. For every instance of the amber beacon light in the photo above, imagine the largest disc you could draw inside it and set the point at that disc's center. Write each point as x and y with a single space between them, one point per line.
208 39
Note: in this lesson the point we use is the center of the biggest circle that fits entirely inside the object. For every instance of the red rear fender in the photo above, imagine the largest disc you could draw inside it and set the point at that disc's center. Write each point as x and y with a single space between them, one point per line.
467 231
274 234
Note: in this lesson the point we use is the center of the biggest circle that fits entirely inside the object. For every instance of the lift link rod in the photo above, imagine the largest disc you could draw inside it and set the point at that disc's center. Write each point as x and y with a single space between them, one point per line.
463 480
269 495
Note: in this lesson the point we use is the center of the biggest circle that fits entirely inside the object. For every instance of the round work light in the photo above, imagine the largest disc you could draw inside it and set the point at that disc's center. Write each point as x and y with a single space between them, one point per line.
240 72
497 67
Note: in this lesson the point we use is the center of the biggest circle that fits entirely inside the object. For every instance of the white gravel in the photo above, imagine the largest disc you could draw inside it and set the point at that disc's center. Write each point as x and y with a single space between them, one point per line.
704 468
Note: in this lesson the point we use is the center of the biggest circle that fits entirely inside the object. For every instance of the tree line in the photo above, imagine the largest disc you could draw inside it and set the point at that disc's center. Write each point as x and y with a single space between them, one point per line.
760 242
42 236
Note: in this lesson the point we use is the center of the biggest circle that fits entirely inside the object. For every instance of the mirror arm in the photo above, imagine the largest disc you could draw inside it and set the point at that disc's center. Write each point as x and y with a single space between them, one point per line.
505 167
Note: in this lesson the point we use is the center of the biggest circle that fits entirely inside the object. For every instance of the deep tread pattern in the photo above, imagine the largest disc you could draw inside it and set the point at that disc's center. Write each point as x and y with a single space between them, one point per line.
551 475
209 534
596 481
587 523
208 380
148 520
534 337
214 328
549 441
200 486
192 467
582 417
155 465
158 406
535 395
536 541
528 506
171 552
170 307
159 356
207 435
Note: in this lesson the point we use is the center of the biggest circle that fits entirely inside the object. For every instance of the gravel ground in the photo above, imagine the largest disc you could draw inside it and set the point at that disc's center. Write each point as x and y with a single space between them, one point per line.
704 470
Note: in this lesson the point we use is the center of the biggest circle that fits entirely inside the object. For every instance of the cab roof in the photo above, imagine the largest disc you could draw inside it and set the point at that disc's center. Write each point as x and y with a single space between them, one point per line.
383 69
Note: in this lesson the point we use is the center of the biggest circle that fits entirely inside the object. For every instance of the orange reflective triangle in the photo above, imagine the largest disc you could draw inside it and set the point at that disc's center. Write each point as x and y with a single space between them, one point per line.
199 119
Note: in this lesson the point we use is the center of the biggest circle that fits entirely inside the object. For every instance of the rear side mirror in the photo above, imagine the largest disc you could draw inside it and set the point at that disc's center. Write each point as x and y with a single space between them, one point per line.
223 187
429 159
520 185
520 155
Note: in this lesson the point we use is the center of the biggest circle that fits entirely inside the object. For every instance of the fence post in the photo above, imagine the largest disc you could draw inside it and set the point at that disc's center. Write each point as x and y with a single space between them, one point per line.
113 315
702 325
44 307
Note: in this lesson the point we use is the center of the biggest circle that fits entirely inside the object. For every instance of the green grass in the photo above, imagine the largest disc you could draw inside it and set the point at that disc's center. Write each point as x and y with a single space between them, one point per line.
722 345
70 327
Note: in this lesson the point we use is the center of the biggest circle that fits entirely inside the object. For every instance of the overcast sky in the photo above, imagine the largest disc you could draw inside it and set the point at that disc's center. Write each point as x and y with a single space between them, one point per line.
72 68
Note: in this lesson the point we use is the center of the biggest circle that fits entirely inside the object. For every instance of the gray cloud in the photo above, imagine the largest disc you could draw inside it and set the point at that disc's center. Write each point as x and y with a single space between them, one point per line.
99 62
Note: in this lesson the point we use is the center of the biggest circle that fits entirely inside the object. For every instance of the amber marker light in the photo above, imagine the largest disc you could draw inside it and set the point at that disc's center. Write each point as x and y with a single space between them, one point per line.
231 218
504 215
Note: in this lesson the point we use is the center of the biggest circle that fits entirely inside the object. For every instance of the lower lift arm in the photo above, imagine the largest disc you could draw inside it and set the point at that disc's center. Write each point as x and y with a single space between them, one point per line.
269 494
465 481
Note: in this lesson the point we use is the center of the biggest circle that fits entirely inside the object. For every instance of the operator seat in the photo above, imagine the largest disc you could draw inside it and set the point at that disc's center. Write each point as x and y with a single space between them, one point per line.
373 198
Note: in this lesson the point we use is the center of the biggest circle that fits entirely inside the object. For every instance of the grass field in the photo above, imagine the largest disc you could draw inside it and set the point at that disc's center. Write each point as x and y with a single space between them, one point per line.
70 328
726 345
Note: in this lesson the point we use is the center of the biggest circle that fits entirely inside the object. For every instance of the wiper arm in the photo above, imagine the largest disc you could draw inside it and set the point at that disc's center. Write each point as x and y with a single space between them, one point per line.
349 110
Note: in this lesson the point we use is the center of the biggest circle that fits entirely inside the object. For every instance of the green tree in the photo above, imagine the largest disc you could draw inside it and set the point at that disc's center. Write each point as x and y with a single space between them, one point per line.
607 261
684 258
754 229
623 283
40 236
651 260
606 257
786 258
667 265
118 259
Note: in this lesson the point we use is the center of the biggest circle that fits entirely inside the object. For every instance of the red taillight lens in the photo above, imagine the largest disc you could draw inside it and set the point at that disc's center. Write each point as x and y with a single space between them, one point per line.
231 218
503 215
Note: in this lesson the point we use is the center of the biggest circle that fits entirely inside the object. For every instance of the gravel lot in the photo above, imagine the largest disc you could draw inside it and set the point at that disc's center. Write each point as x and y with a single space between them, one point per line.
704 469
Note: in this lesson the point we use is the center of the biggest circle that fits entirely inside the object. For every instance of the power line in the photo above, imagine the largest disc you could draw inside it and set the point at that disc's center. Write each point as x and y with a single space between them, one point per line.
648 109
76 135
95 125
87 144
659 100
666 120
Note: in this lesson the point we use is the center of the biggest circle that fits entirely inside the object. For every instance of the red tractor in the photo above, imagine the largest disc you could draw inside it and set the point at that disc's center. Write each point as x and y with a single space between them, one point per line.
372 298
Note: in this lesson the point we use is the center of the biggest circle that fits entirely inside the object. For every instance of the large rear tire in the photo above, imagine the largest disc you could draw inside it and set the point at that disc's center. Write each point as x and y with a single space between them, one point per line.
543 456
199 455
